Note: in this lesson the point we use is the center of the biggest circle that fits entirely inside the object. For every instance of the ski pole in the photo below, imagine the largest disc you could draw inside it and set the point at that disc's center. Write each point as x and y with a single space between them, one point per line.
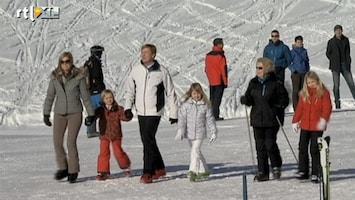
283 131
245 188
250 141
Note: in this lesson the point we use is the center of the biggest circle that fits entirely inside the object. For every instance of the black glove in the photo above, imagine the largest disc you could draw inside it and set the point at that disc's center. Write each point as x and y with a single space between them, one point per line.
173 121
46 120
89 120
128 113
243 100
225 86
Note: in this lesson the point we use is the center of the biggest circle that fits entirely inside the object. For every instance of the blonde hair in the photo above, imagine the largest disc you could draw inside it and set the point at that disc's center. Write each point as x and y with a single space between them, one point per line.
267 64
63 55
107 92
320 86
197 88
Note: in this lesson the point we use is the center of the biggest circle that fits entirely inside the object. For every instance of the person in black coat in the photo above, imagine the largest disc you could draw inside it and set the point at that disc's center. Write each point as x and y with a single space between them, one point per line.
268 98
338 53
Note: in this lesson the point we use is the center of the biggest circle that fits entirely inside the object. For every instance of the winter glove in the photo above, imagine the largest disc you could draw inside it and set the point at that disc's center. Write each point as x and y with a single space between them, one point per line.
173 121
322 124
179 135
243 100
46 120
89 120
128 113
295 127
225 86
213 138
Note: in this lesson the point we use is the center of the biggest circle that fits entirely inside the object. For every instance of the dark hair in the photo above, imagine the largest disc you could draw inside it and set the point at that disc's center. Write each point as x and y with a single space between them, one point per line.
217 41
97 50
151 47
275 31
299 37
338 27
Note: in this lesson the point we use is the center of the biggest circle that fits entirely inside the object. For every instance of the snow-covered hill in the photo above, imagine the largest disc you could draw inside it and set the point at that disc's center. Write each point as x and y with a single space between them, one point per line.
182 31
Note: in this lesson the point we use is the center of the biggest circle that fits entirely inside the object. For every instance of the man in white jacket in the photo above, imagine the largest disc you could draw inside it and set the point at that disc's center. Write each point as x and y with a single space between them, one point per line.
147 85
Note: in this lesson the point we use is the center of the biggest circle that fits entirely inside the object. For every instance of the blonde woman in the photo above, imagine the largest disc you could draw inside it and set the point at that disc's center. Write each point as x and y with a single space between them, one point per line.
67 87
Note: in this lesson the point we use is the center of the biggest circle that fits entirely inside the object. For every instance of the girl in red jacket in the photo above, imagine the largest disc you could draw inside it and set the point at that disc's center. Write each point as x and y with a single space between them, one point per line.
110 115
312 115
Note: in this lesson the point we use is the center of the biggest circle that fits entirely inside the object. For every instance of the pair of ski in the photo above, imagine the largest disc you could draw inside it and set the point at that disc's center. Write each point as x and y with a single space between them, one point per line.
323 145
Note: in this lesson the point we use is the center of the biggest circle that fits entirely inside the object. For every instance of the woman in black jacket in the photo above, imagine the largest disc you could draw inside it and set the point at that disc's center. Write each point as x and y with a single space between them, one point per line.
268 98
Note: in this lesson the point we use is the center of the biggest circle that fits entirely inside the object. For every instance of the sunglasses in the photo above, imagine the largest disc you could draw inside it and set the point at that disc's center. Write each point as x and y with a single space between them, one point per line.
259 68
274 36
65 62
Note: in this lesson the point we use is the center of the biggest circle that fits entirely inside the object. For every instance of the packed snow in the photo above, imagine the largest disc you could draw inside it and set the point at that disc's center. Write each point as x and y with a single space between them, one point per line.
183 32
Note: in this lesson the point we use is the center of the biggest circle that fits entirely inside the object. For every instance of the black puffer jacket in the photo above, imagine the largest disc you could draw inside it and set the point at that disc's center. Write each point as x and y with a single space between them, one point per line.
268 98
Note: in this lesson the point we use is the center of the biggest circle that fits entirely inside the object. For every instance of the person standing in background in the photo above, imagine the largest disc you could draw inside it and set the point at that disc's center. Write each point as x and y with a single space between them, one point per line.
95 80
299 67
338 53
217 74
279 53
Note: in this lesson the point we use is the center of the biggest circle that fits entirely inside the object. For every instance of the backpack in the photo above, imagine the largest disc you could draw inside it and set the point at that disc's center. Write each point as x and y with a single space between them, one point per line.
92 69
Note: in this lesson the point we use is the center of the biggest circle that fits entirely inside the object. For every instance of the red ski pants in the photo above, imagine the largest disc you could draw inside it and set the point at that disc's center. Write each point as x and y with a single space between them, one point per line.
103 164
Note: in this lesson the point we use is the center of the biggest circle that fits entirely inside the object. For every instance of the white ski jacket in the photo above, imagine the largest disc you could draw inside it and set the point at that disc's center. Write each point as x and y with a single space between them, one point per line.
146 88
194 118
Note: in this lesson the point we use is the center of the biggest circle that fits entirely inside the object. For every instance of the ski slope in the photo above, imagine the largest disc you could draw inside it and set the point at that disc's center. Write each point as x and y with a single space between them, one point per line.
182 31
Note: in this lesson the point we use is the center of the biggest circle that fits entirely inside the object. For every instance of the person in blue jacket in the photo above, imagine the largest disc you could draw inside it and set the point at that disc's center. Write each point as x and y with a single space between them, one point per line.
299 67
279 53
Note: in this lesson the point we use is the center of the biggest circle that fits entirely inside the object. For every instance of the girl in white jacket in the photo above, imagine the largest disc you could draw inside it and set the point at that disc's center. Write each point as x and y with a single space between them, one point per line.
195 115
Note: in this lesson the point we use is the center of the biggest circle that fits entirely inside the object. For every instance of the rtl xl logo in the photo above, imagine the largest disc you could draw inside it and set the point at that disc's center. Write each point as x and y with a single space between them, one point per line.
32 13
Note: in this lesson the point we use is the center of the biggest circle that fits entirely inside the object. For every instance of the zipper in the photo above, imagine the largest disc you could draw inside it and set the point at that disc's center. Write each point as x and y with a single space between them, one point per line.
144 91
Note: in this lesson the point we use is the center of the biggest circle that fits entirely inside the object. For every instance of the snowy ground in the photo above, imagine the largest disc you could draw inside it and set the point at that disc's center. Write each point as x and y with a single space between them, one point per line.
183 31
27 166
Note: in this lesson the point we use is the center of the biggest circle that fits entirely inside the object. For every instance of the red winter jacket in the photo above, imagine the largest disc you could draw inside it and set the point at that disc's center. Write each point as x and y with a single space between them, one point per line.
110 122
216 67
309 114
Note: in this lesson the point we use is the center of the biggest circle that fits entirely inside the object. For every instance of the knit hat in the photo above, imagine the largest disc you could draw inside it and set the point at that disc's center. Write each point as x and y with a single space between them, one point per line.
338 27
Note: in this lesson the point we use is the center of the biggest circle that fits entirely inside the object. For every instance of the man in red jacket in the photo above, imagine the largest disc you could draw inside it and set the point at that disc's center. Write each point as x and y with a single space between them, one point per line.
216 71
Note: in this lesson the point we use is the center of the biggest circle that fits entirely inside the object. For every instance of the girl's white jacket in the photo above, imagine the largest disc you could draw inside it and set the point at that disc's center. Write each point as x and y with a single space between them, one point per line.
146 88
194 118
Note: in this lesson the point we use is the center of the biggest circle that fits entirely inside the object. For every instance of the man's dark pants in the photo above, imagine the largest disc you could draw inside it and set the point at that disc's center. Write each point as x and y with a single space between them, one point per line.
216 93
297 84
148 126
346 72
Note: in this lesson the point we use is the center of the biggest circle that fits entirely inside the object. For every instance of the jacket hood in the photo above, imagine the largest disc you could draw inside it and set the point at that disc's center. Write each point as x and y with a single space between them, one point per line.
58 73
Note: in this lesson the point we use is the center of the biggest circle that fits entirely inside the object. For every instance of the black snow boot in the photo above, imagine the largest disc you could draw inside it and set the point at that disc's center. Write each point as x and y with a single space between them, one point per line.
60 174
261 177
72 177
276 172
